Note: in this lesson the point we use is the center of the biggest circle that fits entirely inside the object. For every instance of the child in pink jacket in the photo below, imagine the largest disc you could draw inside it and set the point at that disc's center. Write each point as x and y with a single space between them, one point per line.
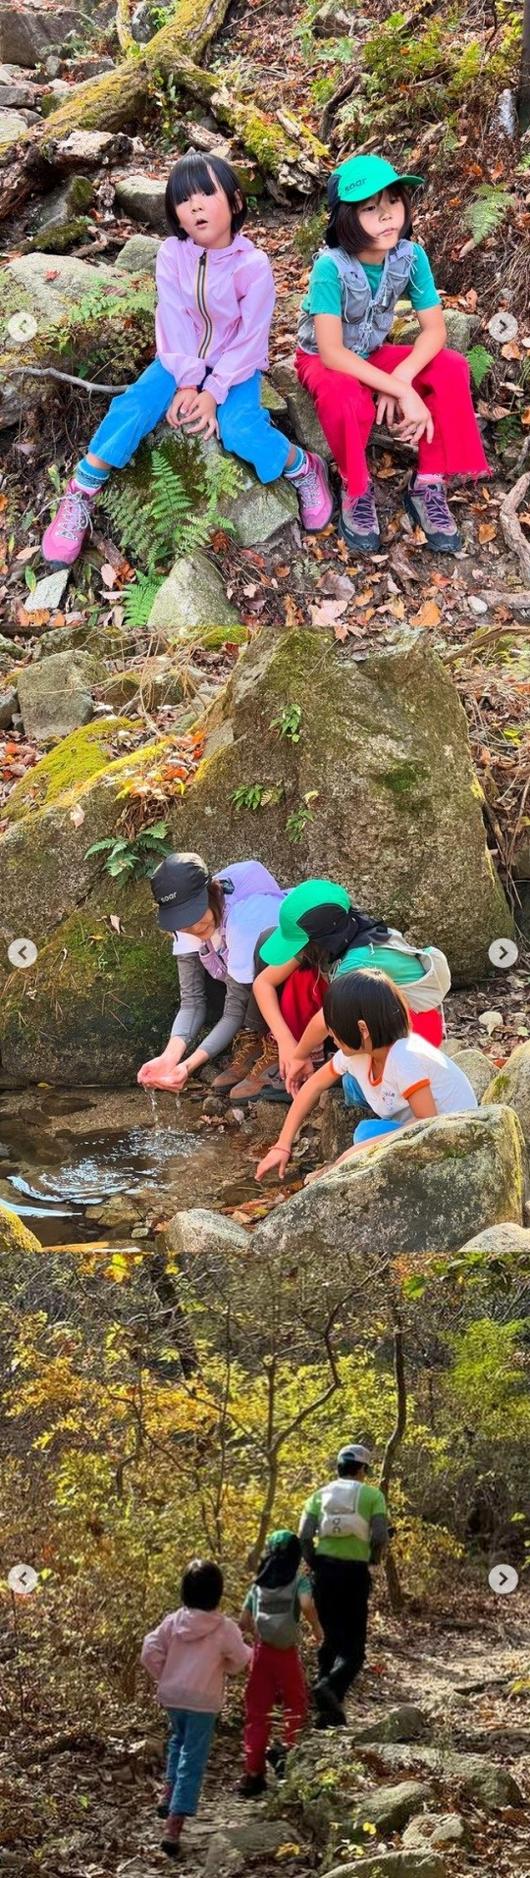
189 1655
215 304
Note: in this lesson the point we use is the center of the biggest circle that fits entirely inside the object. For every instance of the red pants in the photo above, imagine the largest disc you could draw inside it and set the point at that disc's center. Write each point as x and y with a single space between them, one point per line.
274 1676
302 996
347 410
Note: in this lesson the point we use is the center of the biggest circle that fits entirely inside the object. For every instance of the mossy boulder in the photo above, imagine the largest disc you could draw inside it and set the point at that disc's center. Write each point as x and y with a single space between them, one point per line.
97 1002
56 694
423 1190
14 1236
512 1085
378 793
73 762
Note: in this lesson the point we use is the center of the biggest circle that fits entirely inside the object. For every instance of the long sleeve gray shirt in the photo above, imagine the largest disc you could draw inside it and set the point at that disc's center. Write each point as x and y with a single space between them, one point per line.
192 1013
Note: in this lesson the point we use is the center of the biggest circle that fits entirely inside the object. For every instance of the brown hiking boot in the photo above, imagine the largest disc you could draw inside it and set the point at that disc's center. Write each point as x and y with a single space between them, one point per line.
264 1074
246 1048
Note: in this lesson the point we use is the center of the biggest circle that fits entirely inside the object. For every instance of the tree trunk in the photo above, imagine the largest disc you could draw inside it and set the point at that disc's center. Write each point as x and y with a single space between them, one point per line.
391 1571
523 99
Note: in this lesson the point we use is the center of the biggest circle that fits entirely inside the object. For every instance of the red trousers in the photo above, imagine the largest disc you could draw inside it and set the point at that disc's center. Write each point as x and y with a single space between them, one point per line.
302 996
275 1676
347 411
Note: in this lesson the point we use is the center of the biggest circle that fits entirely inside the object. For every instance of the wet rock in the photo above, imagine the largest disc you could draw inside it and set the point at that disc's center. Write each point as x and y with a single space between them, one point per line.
192 596
55 696
142 198
419 1191
512 1085
405 1723
12 125
441 1831
14 1236
119 1211
138 255
8 704
27 33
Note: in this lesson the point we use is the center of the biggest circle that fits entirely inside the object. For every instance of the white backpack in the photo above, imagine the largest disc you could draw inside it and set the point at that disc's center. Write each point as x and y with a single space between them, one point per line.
338 1511
427 993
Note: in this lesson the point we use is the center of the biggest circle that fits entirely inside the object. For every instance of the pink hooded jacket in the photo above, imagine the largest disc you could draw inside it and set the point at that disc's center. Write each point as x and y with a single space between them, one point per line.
190 1654
214 310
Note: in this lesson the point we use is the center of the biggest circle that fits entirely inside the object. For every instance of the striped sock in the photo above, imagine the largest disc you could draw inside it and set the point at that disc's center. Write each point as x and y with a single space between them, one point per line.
89 478
298 467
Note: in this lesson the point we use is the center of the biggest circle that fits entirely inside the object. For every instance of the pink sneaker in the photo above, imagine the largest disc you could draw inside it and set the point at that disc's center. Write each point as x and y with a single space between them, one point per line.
314 494
64 538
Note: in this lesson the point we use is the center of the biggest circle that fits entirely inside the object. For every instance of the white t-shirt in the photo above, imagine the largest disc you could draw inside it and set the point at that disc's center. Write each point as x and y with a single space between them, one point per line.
411 1064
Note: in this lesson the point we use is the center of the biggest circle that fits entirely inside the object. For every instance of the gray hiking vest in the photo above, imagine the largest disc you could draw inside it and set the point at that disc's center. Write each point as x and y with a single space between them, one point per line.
275 1614
366 318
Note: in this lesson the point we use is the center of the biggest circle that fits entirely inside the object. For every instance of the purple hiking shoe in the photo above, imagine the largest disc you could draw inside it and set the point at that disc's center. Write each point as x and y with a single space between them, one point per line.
359 522
426 503
64 537
314 494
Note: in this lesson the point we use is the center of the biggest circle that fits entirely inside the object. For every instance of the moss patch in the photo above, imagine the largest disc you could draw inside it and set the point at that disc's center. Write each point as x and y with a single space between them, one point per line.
14 1236
75 760
59 240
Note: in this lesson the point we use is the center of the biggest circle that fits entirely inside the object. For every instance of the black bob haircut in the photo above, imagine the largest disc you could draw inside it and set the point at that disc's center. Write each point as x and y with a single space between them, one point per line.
202 1585
344 228
369 995
193 175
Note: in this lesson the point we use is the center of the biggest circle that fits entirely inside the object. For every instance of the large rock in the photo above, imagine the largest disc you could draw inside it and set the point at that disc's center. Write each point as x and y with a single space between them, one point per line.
477 1069
502 1241
407 1864
16 91
30 285
65 207
142 198
301 410
512 1085
441 1831
56 695
423 1190
8 704
28 33
261 508
487 1782
14 1236
389 1808
380 786
405 1723
198 1233
192 596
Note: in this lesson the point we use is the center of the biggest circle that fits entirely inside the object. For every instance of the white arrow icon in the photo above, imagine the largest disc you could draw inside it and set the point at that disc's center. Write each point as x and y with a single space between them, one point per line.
503 953
22 1579
503 1579
22 952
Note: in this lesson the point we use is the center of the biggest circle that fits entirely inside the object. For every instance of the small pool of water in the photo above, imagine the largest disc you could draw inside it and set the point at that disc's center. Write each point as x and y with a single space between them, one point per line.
62 1153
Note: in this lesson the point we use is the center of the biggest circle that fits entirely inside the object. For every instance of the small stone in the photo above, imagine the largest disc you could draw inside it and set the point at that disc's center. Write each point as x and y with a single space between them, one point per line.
48 592
405 1723
55 695
197 1232
439 1830
332 21
389 1808
477 605
12 125
138 255
503 327
91 148
8 705
193 595
261 509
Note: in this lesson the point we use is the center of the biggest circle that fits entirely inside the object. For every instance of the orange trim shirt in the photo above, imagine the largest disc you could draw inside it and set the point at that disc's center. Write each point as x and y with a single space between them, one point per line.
411 1064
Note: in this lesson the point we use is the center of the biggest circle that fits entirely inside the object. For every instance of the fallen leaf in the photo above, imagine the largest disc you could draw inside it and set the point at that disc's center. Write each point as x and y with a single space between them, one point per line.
77 815
108 574
429 615
328 612
486 531
115 922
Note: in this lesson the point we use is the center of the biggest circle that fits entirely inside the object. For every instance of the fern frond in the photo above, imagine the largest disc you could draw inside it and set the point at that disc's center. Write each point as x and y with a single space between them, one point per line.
487 211
480 363
139 598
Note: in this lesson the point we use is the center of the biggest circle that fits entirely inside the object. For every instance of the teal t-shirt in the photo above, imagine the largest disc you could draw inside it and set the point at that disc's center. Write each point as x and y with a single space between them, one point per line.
401 967
324 290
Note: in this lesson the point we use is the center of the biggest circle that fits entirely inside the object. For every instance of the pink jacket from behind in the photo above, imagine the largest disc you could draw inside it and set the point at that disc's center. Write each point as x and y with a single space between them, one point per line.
190 1654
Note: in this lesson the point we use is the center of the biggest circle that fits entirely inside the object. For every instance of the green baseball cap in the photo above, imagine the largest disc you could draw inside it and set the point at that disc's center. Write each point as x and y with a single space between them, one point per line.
363 176
311 911
281 1536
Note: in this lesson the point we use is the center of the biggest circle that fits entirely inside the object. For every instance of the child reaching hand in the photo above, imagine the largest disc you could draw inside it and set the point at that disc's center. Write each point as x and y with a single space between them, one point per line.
189 1655
215 305
280 1595
401 1077
422 392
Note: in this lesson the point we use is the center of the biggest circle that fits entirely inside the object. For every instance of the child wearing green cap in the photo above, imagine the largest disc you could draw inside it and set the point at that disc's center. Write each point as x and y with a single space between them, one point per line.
422 392
278 1598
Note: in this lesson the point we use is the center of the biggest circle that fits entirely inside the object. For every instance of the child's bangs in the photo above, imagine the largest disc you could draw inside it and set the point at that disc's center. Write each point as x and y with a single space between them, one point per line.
191 176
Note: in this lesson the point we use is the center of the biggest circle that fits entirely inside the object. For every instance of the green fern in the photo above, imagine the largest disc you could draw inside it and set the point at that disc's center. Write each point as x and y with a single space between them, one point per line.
480 363
139 598
156 517
485 214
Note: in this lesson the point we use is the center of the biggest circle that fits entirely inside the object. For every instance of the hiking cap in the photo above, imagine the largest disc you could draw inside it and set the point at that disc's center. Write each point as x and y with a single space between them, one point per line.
281 1536
364 176
180 888
313 910
354 1452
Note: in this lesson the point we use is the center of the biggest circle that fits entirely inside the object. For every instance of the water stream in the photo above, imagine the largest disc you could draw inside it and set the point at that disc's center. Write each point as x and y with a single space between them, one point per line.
65 1154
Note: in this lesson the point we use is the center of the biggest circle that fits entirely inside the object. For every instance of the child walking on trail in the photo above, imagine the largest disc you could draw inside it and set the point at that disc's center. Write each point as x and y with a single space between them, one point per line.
396 1074
189 1655
280 1594
215 305
422 392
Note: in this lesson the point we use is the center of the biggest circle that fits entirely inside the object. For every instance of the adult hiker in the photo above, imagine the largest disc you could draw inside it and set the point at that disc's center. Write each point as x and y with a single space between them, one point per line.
215 921
342 1531
320 934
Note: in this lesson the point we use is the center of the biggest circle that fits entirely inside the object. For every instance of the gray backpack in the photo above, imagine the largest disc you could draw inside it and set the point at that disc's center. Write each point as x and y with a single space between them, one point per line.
275 1614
